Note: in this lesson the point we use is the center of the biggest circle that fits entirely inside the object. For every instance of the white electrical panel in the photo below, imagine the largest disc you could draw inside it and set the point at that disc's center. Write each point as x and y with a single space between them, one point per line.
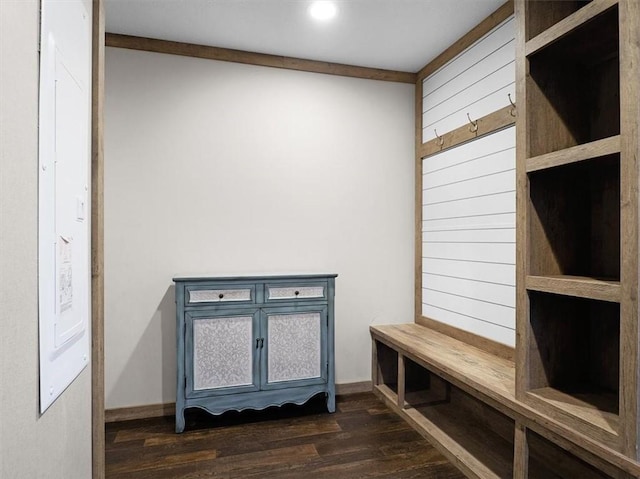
63 197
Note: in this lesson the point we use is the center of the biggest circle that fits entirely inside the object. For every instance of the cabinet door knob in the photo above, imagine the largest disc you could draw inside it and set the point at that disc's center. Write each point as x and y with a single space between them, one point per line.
297 293
221 296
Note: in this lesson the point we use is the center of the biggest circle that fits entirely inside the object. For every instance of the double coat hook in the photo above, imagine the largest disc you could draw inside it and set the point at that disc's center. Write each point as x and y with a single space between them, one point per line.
513 105
440 139
474 124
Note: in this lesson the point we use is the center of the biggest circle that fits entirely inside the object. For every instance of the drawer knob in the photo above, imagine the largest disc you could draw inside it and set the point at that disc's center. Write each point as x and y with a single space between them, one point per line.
297 293
221 296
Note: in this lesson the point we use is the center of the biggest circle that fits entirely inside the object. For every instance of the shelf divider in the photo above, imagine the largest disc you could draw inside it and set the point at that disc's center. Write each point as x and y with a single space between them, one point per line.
578 286
567 25
586 151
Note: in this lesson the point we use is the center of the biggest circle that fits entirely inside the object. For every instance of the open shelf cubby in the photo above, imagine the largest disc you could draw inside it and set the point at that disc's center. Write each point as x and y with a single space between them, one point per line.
574 225
476 435
387 373
422 387
543 14
551 461
574 355
573 86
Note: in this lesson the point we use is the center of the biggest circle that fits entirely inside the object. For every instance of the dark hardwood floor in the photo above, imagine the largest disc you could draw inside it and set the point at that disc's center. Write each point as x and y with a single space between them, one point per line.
362 439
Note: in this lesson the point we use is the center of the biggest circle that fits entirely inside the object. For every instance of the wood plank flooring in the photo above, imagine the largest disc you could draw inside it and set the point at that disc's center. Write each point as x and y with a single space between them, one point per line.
363 438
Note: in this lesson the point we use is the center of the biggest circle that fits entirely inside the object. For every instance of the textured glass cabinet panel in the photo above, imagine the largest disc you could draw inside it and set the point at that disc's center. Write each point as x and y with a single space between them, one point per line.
222 352
294 346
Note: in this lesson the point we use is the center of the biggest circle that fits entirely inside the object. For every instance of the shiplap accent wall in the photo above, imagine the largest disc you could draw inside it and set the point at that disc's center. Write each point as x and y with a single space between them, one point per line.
468 234
477 81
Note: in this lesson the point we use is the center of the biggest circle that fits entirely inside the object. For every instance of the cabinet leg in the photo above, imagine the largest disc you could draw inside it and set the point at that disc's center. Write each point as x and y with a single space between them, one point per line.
331 402
179 420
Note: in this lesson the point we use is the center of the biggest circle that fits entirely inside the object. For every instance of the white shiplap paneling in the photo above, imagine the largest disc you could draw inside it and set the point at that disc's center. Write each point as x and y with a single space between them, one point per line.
495 235
469 236
486 221
495 253
467 288
477 81
474 167
474 325
482 310
476 204
499 273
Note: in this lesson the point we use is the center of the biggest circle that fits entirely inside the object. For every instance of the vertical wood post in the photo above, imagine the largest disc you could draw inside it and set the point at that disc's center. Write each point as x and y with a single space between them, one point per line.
97 243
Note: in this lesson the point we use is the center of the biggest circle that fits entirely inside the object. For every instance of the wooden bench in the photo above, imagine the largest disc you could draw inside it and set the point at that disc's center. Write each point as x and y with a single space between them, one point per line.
461 398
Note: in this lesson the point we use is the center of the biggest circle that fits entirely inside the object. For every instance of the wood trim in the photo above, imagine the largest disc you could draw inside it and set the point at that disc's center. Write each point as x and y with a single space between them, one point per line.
140 412
488 124
353 388
570 23
477 32
493 347
97 243
522 209
250 58
169 409
418 206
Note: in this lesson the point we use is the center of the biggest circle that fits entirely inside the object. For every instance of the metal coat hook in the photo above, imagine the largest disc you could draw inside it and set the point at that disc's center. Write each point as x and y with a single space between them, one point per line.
440 139
474 124
513 110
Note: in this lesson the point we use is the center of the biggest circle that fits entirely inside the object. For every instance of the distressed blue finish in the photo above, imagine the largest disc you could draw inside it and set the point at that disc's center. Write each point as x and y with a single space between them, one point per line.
260 394
300 308
231 311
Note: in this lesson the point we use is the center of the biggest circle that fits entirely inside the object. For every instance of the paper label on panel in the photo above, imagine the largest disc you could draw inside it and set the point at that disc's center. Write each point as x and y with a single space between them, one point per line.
65 278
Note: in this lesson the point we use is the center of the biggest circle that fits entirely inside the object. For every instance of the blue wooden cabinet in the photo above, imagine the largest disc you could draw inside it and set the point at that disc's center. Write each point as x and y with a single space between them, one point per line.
254 341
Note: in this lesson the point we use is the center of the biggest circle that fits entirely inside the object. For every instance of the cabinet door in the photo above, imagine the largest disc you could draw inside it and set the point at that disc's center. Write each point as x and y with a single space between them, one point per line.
295 346
221 352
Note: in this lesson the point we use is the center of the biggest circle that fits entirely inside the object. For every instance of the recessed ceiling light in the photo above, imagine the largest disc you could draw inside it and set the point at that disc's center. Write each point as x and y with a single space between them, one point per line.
323 10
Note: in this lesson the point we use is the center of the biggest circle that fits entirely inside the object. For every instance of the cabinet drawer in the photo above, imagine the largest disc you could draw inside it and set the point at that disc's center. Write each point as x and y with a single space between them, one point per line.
288 292
217 294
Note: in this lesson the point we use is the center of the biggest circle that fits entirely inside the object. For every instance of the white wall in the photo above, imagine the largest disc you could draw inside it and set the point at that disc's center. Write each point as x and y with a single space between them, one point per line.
57 444
227 168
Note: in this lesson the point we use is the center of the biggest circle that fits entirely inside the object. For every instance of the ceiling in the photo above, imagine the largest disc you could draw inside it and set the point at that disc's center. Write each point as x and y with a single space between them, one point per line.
399 35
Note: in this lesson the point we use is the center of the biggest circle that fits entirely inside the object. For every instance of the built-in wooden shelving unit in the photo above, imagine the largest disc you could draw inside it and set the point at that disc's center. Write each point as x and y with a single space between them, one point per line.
577 210
569 405
548 21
